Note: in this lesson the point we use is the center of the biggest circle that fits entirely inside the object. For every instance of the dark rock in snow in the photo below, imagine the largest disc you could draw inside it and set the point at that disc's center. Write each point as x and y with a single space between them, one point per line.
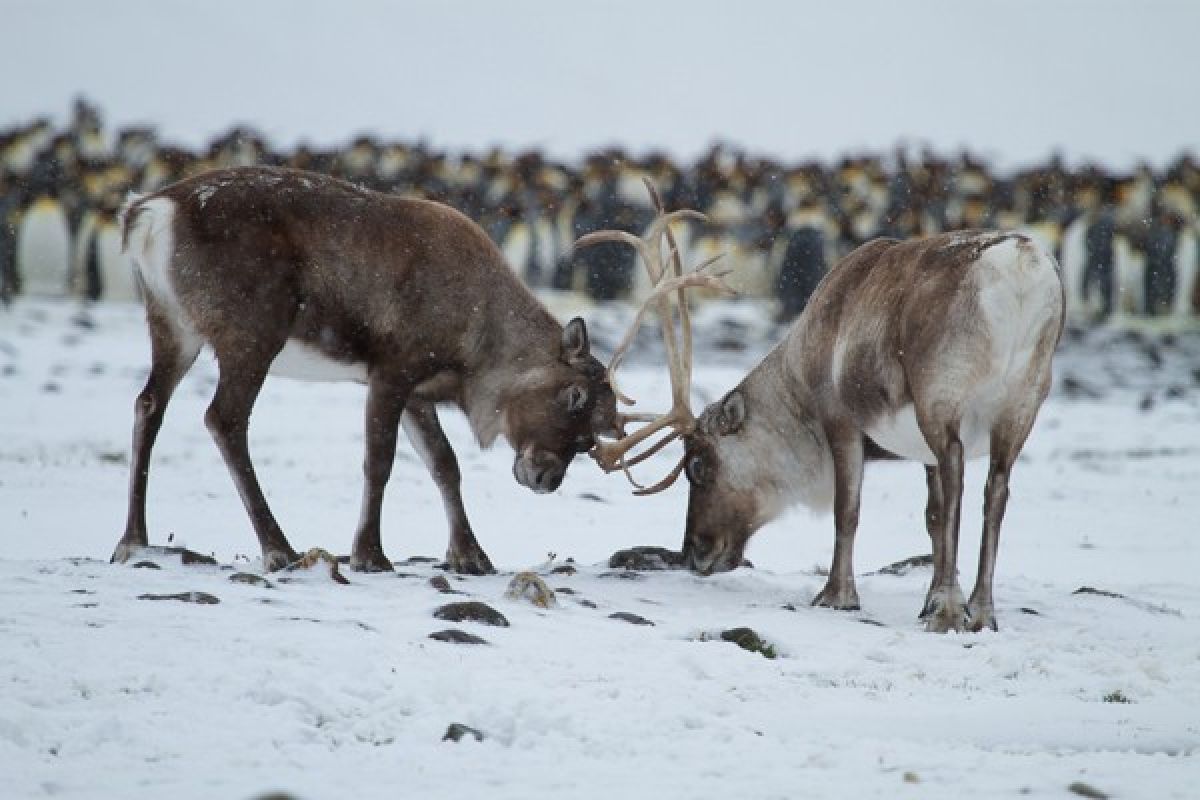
201 598
905 566
646 558
187 557
595 498
1086 790
471 611
587 603
415 560
632 619
455 636
250 579
626 575
1101 592
1076 389
563 569
440 583
146 565
564 590
747 639
457 731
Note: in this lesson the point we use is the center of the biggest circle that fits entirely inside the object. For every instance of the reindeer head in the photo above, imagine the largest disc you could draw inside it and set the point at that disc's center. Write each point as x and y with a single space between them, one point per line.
557 411
727 502
722 513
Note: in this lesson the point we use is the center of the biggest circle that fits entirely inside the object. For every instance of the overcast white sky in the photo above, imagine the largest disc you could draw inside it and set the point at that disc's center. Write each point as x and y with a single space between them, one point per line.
1013 79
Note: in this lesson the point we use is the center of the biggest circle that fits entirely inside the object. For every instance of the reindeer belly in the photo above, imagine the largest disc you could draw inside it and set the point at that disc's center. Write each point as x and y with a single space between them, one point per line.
302 361
898 433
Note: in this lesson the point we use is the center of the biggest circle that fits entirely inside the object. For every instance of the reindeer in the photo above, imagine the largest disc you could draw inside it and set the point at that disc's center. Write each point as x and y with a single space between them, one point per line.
288 272
933 350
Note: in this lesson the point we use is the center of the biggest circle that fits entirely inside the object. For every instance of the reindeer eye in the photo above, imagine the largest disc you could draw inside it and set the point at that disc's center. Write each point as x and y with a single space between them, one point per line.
697 470
574 398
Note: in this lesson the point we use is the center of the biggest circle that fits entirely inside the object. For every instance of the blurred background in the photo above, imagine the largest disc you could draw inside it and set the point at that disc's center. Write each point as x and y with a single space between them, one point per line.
801 129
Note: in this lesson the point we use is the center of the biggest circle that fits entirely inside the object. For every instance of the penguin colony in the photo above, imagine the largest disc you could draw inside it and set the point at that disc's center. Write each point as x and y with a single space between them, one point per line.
1127 241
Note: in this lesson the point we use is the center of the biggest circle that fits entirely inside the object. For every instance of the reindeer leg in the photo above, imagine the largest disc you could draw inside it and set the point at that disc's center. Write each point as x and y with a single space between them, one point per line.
1008 437
980 611
839 591
242 372
463 554
172 354
385 404
933 525
947 609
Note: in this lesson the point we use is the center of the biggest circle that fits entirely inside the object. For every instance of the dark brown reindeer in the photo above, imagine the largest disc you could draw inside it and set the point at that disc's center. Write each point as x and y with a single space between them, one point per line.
282 271
933 350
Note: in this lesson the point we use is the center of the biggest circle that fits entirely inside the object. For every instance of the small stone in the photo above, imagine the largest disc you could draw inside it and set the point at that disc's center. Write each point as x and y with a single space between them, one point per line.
146 565
440 583
455 636
625 575
1085 790
911 777
201 598
415 560
528 586
250 579
1031 611
905 566
563 569
1100 592
595 498
471 611
317 556
632 619
587 603
869 621
747 639
646 558
186 557
457 731
564 590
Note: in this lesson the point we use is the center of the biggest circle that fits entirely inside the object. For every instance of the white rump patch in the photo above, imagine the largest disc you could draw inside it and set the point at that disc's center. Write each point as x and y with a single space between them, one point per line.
303 362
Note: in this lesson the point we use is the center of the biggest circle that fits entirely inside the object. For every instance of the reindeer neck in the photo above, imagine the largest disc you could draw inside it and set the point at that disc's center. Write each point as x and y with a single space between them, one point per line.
511 341
782 411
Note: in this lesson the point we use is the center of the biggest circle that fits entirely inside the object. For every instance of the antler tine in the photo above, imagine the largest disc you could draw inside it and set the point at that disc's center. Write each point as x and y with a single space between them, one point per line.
667 279
665 483
649 258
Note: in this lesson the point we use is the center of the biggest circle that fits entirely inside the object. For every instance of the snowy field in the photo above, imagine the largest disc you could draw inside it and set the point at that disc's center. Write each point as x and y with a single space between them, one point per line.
335 691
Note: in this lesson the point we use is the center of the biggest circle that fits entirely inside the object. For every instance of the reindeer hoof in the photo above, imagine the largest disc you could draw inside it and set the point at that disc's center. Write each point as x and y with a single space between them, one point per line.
374 561
471 561
981 616
945 611
841 597
125 551
275 560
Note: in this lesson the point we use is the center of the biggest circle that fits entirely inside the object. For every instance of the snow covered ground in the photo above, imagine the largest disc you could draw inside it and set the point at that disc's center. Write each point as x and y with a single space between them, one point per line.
332 691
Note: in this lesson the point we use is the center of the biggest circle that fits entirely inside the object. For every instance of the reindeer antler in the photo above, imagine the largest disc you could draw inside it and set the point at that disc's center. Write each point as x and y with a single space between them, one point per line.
667 283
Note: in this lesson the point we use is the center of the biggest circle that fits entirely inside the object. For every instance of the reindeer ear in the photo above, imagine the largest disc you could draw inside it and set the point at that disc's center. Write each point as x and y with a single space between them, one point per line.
575 343
733 414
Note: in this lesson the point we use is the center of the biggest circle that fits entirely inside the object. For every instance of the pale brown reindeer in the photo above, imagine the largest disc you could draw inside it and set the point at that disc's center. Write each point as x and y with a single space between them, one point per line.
934 350
282 271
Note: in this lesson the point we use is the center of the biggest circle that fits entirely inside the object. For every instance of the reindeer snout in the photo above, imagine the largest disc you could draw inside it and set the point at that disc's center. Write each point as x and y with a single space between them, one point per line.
539 470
